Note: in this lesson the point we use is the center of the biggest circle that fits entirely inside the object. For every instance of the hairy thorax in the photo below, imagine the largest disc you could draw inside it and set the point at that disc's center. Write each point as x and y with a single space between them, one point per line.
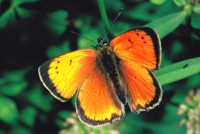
108 62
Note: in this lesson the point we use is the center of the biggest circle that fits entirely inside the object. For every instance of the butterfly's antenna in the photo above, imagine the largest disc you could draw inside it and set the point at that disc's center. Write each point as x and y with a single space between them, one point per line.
108 30
83 37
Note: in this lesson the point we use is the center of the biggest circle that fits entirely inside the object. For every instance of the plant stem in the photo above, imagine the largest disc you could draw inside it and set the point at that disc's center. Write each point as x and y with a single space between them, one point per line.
103 13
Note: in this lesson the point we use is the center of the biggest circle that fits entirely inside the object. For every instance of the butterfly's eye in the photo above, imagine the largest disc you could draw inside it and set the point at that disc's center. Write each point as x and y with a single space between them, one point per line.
102 42
105 44
99 40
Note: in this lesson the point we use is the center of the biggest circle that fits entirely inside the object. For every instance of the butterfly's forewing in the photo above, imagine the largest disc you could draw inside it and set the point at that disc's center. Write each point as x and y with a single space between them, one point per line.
97 103
141 45
139 50
63 75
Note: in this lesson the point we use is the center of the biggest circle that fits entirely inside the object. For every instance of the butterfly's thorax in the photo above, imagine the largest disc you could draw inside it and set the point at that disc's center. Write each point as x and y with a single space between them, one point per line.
108 62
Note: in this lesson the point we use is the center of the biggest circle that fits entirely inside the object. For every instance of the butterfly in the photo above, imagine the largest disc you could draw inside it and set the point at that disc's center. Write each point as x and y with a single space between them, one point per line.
108 77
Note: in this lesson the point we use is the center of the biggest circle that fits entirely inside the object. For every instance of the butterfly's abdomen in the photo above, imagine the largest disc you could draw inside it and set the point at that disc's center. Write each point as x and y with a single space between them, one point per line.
108 62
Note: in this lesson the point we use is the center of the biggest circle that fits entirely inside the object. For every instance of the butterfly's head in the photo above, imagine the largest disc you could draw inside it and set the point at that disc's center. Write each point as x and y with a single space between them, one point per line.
101 42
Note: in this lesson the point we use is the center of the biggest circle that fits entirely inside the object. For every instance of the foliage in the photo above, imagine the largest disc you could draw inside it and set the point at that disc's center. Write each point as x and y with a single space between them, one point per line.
32 31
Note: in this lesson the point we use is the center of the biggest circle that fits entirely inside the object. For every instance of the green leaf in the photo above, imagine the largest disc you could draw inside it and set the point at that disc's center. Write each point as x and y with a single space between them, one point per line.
180 2
24 13
169 122
195 36
165 60
64 114
146 11
176 49
13 83
7 17
114 7
14 88
20 129
167 24
9 112
91 33
196 9
195 21
57 50
158 2
21 11
56 21
20 2
28 115
178 71
193 82
133 120
36 96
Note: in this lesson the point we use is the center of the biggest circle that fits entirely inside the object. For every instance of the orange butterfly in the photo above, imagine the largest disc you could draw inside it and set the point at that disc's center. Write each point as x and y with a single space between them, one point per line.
108 77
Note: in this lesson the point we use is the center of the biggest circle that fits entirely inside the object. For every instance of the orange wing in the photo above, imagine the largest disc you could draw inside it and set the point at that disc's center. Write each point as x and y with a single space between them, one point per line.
96 103
141 45
144 92
63 75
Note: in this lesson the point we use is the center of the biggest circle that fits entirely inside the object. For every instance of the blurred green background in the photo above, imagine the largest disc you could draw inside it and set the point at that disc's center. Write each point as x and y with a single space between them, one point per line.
33 31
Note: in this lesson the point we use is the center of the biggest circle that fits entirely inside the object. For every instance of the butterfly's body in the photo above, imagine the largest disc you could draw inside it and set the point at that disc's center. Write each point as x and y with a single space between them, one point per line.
114 74
108 63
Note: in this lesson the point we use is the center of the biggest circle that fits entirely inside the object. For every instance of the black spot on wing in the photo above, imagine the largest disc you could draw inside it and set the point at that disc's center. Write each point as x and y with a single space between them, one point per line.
47 82
156 42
